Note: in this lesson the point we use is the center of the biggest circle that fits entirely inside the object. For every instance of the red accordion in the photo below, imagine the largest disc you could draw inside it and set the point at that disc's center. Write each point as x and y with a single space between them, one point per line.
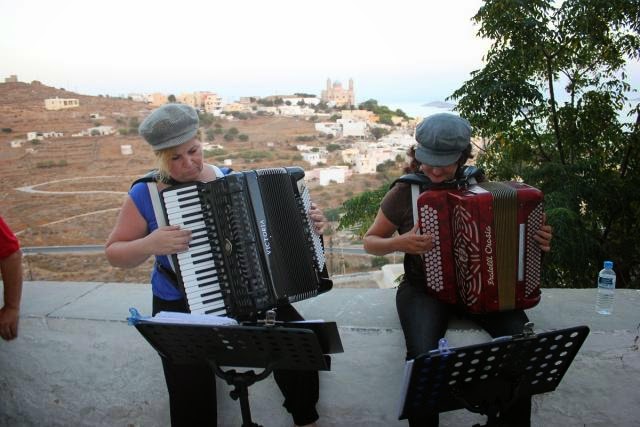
484 256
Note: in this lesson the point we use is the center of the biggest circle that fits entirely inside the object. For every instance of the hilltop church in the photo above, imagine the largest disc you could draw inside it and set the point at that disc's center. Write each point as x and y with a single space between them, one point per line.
336 94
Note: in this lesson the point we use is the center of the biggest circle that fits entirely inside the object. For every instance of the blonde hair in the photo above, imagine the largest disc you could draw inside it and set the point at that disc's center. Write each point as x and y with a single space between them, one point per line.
163 159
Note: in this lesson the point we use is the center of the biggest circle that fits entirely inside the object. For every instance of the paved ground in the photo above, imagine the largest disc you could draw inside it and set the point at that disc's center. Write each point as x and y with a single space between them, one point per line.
78 363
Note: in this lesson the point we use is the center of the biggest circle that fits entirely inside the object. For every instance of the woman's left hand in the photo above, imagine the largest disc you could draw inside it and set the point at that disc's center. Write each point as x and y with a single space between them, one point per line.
544 235
318 218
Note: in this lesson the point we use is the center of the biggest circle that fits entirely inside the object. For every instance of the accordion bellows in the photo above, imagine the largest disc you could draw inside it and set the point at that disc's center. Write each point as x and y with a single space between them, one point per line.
484 256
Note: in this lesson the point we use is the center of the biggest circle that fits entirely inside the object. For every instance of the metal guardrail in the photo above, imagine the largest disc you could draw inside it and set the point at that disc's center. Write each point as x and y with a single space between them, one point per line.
352 250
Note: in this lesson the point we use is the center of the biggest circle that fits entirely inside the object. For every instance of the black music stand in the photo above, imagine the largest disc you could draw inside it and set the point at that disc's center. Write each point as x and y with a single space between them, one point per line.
488 378
269 346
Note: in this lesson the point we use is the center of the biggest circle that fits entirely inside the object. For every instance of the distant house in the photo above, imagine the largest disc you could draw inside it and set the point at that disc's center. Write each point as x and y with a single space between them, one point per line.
213 104
329 128
298 100
156 99
42 135
362 115
364 163
349 155
96 131
35 135
355 128
17 143
236 106
137 97
295 110
60 103
331 174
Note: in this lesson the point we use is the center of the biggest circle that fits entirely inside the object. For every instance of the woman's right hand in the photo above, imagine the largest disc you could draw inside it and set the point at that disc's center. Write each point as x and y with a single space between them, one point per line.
170 239
413 243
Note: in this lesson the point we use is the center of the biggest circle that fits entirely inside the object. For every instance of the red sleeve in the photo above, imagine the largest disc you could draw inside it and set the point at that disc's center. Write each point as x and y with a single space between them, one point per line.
8 241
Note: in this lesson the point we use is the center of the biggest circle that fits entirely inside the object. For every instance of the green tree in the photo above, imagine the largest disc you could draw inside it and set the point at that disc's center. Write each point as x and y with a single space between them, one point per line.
171 98
378 132
548 100
361 210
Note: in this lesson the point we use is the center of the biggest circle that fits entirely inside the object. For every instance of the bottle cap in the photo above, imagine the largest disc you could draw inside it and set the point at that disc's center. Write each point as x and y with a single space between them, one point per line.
608 264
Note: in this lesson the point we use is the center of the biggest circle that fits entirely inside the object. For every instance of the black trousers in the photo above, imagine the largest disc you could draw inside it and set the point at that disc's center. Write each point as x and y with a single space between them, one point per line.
192 388
424 321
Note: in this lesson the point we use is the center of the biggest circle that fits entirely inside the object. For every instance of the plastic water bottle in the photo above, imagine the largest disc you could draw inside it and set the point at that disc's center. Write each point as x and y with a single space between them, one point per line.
606 288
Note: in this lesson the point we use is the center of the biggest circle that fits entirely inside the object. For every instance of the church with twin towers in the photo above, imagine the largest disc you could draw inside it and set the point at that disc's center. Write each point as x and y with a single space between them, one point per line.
340 96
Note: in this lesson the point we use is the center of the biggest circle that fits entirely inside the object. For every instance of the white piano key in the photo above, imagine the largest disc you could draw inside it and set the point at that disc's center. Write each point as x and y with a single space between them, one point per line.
173 196
185 214
214 312
194 256
195 285
192 206
188 269
199 291
213 299
209 306
196 278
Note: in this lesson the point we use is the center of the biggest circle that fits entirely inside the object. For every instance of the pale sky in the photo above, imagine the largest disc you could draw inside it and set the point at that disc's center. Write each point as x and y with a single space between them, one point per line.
396 51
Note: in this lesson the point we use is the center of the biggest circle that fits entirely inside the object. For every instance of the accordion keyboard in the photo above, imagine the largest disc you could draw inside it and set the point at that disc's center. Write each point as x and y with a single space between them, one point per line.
201 266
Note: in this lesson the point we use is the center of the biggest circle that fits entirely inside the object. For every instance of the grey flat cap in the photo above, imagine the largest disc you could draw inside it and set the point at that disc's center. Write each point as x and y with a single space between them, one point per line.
169 126
441 139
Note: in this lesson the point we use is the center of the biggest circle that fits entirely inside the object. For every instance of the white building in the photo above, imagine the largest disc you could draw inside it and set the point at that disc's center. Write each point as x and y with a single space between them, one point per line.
60 103
363 163
329 128
295 110
96 131
137 97
297 100
42 135
351 127
398 139
337 174
314 157
349 155
213 104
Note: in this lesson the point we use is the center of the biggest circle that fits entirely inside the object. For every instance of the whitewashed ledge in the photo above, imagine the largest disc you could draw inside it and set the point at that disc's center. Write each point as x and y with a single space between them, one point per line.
77 362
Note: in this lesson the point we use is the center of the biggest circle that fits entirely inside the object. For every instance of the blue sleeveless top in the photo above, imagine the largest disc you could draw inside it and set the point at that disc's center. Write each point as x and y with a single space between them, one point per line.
160 284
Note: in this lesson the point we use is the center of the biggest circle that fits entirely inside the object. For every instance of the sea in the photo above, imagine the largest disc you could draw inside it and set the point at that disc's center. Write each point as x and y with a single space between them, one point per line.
422 110
416 109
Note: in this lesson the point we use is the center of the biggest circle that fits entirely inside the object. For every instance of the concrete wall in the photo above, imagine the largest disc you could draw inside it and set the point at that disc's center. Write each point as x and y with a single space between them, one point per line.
77 362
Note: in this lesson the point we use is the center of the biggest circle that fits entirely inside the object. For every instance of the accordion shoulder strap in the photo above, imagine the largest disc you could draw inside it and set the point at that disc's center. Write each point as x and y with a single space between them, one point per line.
415 192
157 211
468 175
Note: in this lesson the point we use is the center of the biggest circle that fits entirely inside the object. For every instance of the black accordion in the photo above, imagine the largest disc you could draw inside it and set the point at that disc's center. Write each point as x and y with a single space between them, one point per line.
253 244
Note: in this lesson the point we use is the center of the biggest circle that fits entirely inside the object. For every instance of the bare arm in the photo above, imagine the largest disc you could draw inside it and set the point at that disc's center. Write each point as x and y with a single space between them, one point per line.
11 269
129 245
381 239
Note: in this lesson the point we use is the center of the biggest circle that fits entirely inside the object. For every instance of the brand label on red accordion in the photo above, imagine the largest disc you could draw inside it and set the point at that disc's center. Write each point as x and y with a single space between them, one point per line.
488 250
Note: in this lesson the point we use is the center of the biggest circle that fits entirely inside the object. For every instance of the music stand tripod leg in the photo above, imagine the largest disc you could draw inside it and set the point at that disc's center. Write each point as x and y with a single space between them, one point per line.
241 382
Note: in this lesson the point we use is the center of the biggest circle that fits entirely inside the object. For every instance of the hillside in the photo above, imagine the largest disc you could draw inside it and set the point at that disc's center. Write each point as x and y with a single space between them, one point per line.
68 190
